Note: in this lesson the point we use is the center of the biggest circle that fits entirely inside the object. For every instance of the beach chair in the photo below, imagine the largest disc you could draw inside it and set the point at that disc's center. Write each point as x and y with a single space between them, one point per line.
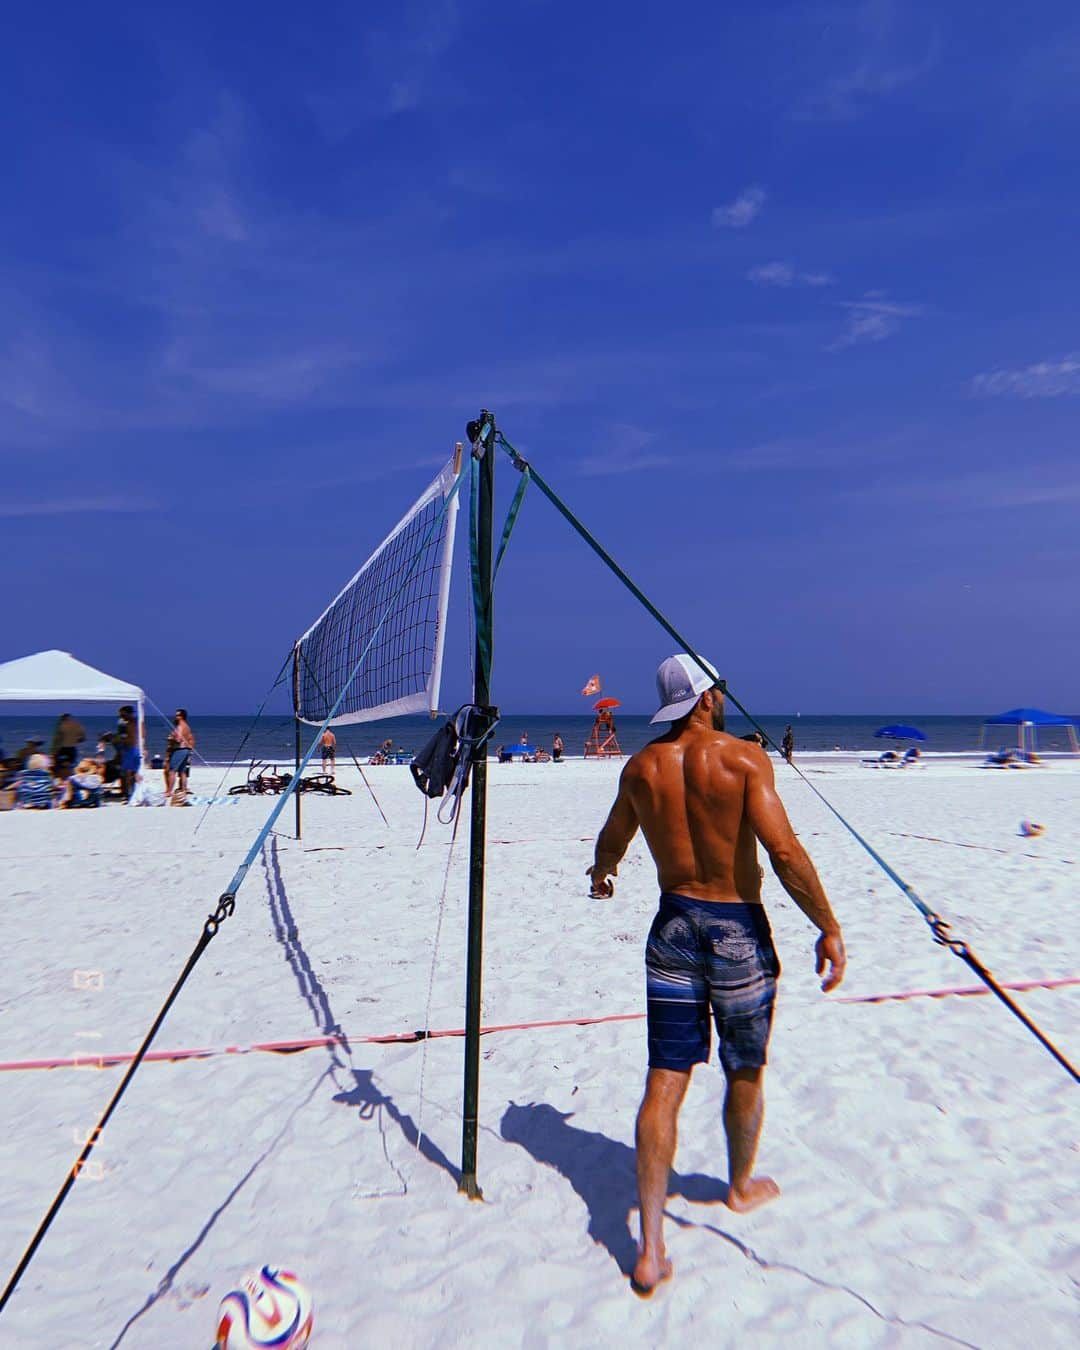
87 790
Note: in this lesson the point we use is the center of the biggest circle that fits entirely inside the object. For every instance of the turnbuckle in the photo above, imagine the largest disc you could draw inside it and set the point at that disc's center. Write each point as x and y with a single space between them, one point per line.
225 909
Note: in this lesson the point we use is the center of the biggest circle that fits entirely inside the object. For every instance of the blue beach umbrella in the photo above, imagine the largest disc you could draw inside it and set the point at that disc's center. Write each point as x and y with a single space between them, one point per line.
897 731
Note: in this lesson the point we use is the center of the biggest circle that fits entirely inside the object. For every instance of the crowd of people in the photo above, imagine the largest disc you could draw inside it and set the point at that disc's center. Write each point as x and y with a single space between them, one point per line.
69 775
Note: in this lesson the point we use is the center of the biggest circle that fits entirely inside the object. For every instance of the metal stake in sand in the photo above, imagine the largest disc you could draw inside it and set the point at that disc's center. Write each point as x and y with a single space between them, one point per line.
482 482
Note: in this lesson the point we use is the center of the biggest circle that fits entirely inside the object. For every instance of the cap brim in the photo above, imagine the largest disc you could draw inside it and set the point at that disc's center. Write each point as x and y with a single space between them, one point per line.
671 712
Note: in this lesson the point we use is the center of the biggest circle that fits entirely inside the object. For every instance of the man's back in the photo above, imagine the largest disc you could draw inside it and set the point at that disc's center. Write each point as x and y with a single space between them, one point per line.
689 792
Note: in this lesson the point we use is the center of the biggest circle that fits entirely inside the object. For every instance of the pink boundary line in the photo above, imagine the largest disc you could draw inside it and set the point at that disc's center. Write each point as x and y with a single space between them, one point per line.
290 1047
961 991
312 1042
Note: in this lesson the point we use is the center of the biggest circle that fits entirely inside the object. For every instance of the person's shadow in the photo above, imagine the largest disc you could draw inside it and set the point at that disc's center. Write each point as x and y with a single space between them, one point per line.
601 1170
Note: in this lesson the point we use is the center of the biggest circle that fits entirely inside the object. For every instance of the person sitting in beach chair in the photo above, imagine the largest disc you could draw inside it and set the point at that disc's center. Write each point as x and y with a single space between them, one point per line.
84 788
34 788
912 754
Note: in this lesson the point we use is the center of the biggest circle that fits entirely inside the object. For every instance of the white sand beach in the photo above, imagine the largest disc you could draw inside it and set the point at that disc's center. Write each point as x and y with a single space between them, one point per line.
925 1148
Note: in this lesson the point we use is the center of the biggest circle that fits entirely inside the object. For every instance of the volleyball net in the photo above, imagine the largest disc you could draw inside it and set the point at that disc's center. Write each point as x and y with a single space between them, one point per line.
393 609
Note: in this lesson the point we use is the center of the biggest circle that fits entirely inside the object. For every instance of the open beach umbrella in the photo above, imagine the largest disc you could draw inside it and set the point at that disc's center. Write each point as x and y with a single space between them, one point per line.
898 731
602 703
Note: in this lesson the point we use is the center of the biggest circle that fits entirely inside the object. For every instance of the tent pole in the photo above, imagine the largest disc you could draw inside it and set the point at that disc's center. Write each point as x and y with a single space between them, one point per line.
296 729
142 735
482 511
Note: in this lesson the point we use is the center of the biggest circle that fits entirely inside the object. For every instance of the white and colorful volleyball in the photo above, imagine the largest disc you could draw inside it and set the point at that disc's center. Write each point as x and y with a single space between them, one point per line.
271 1308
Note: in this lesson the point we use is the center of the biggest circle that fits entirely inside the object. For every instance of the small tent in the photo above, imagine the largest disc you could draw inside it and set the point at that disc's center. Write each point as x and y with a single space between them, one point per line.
1027 722
56 677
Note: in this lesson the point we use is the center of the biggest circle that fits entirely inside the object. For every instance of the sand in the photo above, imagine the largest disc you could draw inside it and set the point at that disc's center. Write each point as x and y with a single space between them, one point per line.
924 1148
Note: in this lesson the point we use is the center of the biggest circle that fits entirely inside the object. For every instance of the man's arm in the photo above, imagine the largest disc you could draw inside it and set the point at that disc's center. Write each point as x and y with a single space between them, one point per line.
791 863
613 841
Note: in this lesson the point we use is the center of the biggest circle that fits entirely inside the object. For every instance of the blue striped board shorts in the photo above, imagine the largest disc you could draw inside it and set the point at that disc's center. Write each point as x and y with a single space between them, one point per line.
707 956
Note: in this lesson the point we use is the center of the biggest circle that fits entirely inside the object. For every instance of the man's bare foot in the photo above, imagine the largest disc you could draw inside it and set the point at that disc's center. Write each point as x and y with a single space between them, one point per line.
757 1191
648 1273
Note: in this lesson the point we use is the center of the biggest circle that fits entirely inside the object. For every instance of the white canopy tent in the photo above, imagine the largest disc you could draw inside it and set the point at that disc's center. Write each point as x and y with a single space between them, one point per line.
56 677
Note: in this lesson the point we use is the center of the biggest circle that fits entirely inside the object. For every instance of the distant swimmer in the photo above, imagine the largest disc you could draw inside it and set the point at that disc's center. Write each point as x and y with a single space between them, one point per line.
701 798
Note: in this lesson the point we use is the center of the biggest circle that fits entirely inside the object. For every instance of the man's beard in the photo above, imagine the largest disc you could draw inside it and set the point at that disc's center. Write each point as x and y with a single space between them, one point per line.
718 716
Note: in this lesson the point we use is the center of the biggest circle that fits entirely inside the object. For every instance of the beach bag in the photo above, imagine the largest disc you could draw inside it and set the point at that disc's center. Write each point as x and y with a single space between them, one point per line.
144 795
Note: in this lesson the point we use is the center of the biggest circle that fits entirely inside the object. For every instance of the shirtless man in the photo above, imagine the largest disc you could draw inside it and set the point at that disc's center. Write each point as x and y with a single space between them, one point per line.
701 797
328 746
178 758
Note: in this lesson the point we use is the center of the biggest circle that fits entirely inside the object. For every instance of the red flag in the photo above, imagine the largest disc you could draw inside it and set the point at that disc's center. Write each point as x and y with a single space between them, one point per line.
592 686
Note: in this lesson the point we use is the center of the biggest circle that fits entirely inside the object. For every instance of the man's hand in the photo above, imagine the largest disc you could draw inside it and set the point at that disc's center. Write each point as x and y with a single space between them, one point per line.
830 952
603 888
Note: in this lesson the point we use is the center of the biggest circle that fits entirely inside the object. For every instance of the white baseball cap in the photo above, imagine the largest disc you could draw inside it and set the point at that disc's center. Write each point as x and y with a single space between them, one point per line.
680 682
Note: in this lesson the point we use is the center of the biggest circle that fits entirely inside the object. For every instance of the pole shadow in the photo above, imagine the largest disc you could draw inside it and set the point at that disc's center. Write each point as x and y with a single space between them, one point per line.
602 1172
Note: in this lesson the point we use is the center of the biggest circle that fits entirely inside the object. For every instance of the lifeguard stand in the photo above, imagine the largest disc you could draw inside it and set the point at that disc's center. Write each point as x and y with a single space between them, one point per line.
602 742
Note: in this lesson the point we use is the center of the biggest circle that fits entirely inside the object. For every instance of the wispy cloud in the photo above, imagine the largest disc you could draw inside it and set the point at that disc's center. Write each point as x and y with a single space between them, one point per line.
595 466
78 506
739 213
629 452
786 274
845 98
872 319
997 490
1045 379
385 67
881 65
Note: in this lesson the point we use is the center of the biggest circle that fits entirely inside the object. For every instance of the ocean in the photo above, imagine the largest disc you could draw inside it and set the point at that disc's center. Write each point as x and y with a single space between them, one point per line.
221 740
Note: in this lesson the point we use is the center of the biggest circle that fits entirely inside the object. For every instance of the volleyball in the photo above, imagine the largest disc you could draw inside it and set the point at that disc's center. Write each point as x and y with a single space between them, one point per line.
271 1308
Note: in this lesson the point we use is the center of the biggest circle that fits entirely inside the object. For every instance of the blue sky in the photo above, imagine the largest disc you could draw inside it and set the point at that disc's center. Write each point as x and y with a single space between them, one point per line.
782 297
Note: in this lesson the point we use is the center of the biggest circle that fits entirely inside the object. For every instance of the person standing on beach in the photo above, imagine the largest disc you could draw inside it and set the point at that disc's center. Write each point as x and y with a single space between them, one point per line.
328 746
178 750
701 798
557 747
787 745
126 739
68 735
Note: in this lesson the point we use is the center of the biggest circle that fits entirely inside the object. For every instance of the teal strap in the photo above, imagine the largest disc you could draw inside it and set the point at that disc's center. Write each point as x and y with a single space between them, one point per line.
511 520
602 553
481 612
938 926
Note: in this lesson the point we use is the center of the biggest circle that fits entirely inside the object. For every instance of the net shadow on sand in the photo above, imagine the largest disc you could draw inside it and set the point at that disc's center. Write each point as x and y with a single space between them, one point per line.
167 1283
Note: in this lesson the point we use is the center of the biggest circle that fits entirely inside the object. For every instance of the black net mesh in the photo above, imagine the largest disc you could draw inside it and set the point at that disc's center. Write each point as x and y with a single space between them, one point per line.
390 610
